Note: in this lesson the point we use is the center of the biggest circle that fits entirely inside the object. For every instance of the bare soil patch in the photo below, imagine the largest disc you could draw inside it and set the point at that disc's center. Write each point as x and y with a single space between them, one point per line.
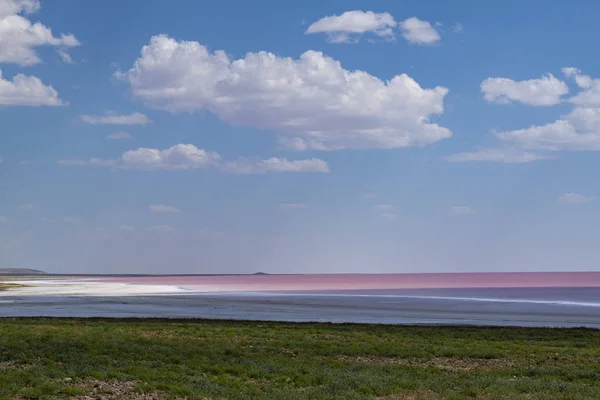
445 363
115 390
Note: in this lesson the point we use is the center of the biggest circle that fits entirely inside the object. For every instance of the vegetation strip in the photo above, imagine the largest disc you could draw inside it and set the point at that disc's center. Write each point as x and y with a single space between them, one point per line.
44 358
6 286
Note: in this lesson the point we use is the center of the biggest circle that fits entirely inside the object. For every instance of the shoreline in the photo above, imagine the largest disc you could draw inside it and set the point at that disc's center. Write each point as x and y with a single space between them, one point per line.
417 309
299 324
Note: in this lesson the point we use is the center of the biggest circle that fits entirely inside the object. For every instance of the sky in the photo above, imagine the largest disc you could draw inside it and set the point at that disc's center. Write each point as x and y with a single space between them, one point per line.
306 137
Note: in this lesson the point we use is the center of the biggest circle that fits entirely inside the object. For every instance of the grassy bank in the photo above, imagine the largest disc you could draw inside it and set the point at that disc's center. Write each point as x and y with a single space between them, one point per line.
5 286
152 359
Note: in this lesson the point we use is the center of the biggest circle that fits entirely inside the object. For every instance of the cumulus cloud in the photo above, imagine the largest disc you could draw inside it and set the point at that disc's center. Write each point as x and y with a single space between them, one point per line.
578 130
118 136
188 156
179 156
544 91
27 206
575 198
590 95
500 154
351 25
3 219
384 207
25 90
419 32
312 102
19 37
462 210
125 228
161 208
112 118
274 164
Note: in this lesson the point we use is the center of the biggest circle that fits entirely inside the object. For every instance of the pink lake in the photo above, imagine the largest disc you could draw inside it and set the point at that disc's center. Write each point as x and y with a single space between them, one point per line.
365 281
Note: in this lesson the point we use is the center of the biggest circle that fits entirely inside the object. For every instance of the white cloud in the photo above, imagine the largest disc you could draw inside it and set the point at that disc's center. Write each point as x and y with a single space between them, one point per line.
575 198
386 211
500 154
590 95
583 81
19 37
118 136
11 7
389 215
419 32
112 118
311 102
3 219
349 26
179 156
161 208
544 91
462 210
26 90
27 206
577 131
66 57
125 228
188 156
162 228
292 206
274 164
369 195
457 27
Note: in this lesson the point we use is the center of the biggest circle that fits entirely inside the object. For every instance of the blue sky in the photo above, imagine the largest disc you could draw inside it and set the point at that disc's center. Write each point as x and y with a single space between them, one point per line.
334 136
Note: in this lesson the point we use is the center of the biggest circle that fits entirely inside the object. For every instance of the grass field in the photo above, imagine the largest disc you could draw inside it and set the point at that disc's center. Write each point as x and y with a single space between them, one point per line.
155 359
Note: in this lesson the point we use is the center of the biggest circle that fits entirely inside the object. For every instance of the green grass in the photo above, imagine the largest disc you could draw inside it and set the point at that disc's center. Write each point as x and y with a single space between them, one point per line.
195 359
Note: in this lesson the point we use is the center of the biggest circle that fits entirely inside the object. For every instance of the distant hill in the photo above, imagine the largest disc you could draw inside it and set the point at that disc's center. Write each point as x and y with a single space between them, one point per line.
20 271
260 273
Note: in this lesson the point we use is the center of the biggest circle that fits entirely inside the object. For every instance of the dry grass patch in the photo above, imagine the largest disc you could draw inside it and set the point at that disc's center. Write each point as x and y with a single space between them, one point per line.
412 395
115 390
445 363
6 286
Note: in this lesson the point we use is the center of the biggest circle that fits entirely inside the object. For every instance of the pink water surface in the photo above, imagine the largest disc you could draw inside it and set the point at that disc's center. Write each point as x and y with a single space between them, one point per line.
366 281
